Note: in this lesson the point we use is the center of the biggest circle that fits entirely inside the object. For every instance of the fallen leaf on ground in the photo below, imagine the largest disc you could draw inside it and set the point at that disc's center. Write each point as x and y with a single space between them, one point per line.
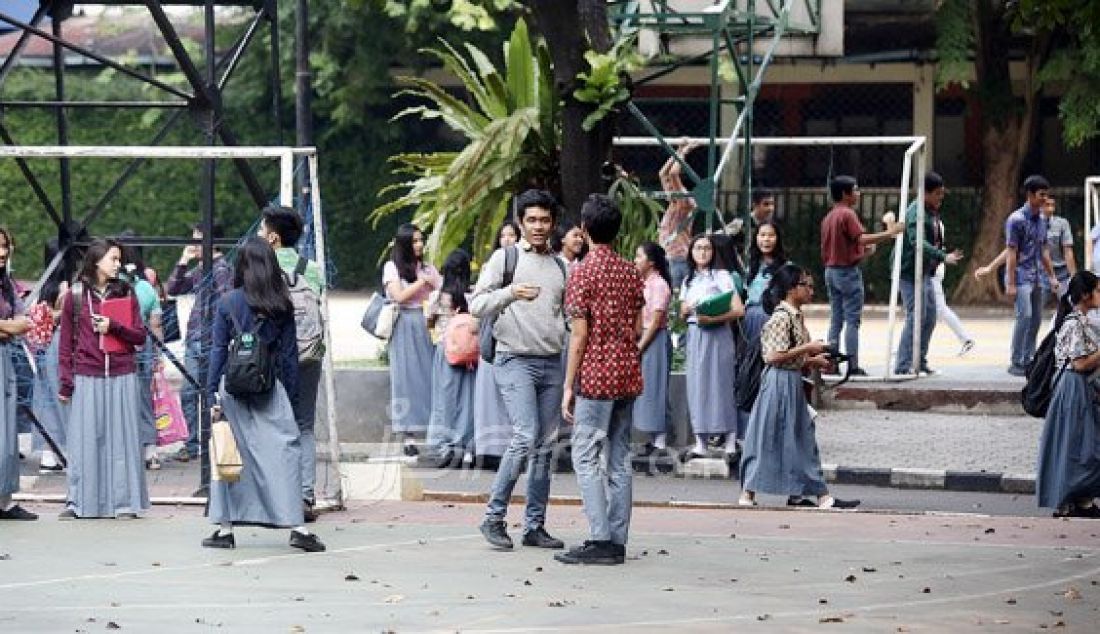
763 617
927 590
351 578
869 569
393 598
1010 601
850 578
1072 594
111 625
831 619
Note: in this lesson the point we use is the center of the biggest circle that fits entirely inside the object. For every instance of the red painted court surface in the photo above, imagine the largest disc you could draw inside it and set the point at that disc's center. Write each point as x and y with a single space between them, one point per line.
422 566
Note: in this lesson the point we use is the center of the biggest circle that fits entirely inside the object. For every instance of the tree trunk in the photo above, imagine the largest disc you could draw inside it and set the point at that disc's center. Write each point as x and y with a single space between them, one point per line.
1002 161
569 29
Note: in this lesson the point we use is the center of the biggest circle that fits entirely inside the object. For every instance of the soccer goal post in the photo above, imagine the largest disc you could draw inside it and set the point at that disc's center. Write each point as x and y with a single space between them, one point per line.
910 189
330 484
1092 217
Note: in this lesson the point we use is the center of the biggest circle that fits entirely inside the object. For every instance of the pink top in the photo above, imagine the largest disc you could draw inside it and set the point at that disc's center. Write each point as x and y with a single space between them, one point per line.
658 295
435 280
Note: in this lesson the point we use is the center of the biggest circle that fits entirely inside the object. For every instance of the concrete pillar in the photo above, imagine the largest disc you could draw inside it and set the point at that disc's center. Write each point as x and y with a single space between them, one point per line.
924 107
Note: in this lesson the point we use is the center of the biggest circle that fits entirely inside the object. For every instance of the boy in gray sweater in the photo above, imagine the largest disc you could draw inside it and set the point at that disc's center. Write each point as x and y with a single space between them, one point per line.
529 331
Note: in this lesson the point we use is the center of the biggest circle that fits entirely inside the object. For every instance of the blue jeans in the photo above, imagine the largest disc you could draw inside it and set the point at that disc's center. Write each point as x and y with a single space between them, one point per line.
678 269
194 362
845 287
531 388
927 325
603 426
309 378
1029 314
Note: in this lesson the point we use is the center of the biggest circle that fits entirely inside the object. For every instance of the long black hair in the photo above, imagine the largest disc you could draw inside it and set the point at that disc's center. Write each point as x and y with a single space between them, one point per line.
557 240
691 257
7 285
656 255
257 273
783 282
500 232
1081 285
96 252
726 255
456 279
756 256
403 255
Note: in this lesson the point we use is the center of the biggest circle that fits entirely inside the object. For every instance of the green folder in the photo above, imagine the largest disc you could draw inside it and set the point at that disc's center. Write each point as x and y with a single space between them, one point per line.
715 305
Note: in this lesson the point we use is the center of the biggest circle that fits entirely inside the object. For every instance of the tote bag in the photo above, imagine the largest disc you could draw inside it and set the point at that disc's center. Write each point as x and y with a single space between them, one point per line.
379 317
225 458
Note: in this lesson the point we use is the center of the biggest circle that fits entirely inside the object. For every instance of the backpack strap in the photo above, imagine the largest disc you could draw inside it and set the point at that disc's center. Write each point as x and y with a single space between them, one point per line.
76 295
511 260
561 267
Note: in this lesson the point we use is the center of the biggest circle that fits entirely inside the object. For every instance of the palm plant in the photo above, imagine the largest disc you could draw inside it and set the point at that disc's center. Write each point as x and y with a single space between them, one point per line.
512 132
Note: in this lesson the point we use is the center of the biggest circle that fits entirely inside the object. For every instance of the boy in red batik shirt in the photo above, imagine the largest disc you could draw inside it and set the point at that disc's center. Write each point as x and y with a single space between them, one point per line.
604 300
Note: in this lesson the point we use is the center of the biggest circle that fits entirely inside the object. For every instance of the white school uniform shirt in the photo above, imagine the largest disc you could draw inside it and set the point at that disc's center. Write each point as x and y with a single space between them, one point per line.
703 285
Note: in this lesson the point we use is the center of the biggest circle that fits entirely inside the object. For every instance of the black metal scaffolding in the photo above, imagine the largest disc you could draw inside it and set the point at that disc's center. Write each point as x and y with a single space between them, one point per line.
201 99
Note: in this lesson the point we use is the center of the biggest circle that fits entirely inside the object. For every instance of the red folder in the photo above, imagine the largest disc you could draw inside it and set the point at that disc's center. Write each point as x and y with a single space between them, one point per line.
118 310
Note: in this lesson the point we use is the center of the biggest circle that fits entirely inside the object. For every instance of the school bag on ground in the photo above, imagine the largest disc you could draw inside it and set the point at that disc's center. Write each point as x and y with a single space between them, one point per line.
308 321
1042 374
461 343
249 368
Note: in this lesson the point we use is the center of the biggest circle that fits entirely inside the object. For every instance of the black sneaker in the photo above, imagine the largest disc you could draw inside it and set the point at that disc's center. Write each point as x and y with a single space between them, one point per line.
217 540
18 513
539 538
798 500
51 470
592 552
446 460
308 512
496 534
307 542
837 503
410 451
620 552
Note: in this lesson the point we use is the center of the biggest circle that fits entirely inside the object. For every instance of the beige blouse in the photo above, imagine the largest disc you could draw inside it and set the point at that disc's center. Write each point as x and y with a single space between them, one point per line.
784 330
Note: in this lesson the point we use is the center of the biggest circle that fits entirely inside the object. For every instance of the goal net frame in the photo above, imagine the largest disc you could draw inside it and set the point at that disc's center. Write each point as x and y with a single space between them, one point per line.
914 165
286 157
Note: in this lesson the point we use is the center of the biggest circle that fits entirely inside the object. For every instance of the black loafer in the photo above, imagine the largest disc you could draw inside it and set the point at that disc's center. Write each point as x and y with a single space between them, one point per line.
18 513
496 534
591 553
217 540
539 538
798 500
308 543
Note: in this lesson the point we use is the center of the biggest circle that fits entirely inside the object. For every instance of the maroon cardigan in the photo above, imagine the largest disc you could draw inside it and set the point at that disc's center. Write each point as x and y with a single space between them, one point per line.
88 359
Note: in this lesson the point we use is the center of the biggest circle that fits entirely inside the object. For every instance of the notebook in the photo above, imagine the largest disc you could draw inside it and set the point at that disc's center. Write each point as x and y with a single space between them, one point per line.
117 309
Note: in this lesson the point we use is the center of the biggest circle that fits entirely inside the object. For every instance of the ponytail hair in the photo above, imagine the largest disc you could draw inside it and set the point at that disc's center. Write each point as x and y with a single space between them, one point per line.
783 281
1081 285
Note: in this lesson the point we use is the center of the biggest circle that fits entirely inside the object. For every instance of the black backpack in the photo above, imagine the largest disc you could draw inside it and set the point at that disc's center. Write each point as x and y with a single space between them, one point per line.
487 343
750 368
1041 377
249 368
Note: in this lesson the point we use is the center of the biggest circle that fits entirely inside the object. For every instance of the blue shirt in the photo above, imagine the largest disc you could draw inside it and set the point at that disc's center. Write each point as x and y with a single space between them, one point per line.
1026 230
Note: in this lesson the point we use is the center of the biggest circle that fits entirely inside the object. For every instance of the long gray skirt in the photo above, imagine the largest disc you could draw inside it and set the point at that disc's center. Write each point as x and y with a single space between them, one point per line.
9 434
492 426
106 471
650 408
269 492
780 454
410 352
1069 450
711 366
44 403
145 360
452 423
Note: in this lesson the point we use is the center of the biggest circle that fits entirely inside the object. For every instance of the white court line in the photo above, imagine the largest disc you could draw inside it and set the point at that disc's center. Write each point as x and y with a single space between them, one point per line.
232 563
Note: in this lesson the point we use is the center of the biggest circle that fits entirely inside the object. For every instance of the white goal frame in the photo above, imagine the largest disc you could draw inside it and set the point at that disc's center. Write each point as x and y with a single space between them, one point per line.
286 157
1092 216
914 166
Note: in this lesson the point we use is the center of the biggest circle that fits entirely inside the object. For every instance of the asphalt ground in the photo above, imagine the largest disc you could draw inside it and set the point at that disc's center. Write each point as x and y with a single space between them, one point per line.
422 566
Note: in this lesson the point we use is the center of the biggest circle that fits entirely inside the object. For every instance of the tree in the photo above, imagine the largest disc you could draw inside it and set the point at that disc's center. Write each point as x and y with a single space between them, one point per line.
1057 40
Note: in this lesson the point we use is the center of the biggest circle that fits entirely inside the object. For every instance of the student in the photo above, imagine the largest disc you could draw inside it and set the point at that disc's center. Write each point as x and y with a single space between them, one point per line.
133 267
282 228
844 243
492 428
46 386
106 474
408 281
762 211
604 302
711 350
780 452
12 325
569 243
766 255
269 491
208 288
933 254
1068 478
529 331
451 429
651 407
674 231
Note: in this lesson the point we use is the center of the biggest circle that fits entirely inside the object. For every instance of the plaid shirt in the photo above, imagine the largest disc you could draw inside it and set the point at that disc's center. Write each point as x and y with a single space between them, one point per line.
607 291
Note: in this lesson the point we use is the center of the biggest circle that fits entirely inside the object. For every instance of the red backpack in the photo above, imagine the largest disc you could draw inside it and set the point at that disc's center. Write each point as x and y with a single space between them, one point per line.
460 340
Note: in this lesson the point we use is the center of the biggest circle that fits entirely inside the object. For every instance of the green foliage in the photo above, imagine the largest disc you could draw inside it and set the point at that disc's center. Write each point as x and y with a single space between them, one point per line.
954 43
605 84
640 215
509 124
